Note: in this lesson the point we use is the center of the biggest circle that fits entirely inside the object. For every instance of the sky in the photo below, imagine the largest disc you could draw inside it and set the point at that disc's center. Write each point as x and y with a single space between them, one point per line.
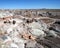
29 4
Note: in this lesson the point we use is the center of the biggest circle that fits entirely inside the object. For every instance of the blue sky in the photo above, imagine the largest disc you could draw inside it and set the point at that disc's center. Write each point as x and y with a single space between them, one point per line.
29 4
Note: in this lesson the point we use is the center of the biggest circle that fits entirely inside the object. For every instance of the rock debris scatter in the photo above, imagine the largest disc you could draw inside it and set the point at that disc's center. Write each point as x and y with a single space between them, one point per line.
29 30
